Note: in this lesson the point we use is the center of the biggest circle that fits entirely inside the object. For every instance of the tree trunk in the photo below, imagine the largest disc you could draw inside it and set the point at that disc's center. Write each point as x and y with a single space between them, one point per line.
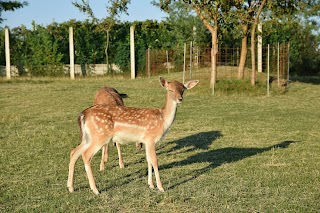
214 54
214 34
243 55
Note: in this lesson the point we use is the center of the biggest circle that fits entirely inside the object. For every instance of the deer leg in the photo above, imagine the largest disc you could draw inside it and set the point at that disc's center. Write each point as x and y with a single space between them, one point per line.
87 156
104 157
138 146
74 155
150 182
153 162
121 164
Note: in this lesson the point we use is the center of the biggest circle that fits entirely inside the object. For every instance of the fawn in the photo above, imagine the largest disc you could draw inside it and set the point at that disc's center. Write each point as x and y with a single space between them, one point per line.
102 123
110 96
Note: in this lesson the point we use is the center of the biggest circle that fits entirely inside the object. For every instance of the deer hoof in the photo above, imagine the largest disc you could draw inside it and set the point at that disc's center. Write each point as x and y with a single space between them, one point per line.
161 190
71 189
96 192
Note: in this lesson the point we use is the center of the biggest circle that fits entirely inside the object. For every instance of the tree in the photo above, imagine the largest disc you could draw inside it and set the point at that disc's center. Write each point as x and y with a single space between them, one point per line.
114 8
10 6
247 13
209 12
185 26
296 22
256 18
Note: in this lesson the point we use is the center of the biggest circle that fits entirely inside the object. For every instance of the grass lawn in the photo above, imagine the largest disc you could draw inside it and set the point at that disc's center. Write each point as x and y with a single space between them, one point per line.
227 153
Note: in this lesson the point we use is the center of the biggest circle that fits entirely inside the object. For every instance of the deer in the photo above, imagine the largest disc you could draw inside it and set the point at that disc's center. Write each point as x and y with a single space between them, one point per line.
102 123
110 96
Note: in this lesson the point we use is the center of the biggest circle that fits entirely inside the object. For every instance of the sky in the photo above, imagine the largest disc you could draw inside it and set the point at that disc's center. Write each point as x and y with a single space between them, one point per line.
44 12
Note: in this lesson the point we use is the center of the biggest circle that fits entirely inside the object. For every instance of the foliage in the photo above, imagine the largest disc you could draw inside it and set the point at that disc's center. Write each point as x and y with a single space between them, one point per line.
36 51
301 31
170 34
114 9
10 6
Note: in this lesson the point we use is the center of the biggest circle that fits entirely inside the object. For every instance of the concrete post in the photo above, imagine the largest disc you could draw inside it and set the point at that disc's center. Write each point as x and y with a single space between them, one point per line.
71 50
260 48
132 56
7 47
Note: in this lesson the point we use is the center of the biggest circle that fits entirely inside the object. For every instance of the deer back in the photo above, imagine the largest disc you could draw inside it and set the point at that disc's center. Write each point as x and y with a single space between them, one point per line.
109 96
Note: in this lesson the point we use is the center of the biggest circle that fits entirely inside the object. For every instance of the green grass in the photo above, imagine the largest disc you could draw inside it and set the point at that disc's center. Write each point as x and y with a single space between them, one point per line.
232 153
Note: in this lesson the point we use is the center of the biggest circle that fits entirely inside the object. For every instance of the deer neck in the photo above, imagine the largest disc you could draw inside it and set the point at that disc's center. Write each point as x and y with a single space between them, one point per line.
169 112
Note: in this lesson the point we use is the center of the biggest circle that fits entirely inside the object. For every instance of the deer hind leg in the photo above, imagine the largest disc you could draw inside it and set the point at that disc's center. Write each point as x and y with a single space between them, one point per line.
104 157
87 156
74 155
153 162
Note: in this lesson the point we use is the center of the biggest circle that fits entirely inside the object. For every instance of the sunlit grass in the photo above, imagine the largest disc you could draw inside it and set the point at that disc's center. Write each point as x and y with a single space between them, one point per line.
227 153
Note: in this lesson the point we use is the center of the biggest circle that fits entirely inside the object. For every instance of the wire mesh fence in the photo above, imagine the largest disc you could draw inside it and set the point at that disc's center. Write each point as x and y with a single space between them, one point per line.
195 59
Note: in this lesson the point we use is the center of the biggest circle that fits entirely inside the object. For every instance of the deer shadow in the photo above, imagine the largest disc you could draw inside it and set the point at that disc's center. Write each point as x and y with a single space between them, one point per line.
194 142
215 158
191 143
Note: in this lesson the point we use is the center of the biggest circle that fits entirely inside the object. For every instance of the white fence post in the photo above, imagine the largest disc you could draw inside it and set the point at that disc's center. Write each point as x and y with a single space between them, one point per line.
149 73
132 56
184 62
71 49
260 48
190 60
7 47
268 71
167 58
278 64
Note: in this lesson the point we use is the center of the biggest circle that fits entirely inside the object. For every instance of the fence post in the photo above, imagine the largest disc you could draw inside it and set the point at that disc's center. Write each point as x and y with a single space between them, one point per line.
215 77
184 62
268 71
149 74
167 61
7 47
132 56
288 57
198 56
190 60
260 48
71 50
278 65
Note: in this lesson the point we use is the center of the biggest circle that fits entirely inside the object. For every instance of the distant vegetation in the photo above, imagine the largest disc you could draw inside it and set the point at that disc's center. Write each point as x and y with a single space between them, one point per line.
44 49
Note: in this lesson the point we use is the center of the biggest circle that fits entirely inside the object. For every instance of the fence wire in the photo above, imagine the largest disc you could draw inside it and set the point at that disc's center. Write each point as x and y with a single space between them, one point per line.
228 59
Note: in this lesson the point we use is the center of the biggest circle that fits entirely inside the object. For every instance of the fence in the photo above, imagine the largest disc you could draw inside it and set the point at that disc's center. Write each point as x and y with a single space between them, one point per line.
166 61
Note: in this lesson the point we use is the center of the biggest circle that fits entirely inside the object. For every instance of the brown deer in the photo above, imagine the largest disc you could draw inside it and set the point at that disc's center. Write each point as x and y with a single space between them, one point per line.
111 97
102 123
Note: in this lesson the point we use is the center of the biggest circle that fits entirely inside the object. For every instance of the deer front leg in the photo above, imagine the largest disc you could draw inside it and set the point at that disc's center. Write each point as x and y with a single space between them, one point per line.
153 162
121 164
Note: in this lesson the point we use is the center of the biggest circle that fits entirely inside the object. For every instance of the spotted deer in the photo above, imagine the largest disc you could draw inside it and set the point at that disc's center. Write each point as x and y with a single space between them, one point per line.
111 97
102 123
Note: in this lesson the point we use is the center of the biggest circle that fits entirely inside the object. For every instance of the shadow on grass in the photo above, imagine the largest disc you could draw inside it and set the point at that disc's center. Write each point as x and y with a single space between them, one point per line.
217 157
307 79
198 141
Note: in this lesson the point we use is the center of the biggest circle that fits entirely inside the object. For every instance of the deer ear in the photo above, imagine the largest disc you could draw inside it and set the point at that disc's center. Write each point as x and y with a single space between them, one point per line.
163 82
191 84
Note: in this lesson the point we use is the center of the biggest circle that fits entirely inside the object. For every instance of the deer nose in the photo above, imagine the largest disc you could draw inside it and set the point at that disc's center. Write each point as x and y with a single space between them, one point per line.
180 99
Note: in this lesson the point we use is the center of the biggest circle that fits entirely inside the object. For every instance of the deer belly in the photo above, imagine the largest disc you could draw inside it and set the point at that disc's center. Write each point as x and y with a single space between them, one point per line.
125 133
